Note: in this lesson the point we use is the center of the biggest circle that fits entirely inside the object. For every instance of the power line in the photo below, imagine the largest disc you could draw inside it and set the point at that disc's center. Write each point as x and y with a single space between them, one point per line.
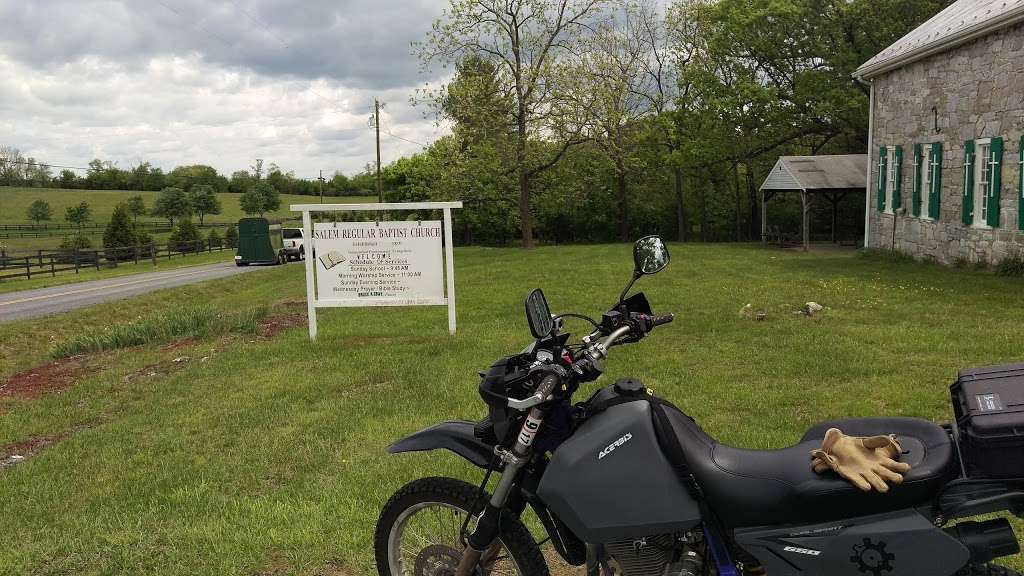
388 132
47 164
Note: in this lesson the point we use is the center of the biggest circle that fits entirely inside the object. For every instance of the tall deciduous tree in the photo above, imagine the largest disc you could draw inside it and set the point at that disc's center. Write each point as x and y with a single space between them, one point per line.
136 207
39 211
616 88
171 203
260 199
78 215
204 201
528 40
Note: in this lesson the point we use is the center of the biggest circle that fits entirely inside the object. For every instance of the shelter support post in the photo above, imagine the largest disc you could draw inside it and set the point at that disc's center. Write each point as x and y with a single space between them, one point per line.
805 225
764 217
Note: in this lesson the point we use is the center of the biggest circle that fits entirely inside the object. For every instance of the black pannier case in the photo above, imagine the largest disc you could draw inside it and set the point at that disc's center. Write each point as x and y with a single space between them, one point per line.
989 408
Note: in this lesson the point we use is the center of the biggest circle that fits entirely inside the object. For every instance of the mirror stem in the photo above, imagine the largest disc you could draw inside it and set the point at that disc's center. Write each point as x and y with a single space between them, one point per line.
636 276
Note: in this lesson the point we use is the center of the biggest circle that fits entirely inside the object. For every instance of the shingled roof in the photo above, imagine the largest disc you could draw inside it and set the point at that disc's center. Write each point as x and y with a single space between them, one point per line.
961 22
826 172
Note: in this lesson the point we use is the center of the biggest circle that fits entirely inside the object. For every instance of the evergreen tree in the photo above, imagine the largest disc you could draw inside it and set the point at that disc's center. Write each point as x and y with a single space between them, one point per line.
231 237
185 237
120 232
214 238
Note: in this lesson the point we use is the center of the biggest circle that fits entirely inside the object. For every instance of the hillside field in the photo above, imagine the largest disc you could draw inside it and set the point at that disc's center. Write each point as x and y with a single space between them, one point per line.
248 454
14 202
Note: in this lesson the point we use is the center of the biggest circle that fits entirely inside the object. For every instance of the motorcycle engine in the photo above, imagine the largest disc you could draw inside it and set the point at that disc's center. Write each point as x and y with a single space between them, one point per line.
662 555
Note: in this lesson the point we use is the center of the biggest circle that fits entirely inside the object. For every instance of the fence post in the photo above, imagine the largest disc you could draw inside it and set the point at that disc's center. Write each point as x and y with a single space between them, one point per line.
96 259
76 260
136 253
28 267
152 252
40 254
53 271
209 249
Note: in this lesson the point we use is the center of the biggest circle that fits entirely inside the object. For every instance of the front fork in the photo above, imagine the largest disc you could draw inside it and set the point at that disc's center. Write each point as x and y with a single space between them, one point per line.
481 542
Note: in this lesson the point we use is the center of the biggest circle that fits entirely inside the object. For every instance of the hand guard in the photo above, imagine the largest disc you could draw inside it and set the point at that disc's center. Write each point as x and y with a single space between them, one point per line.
866 462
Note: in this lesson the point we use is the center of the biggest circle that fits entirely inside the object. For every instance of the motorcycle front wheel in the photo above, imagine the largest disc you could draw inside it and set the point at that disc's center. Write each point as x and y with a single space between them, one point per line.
418 533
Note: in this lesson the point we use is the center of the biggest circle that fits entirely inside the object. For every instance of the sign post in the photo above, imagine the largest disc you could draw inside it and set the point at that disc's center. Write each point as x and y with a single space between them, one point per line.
389 263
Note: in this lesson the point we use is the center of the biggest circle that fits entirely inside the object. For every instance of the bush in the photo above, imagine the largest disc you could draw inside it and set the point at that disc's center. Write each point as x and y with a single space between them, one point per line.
144 240
214 238
231 237
1011 266
185 237
76 242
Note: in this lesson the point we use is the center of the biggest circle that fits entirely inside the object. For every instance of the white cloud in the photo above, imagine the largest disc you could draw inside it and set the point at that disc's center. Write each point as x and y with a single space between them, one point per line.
190 82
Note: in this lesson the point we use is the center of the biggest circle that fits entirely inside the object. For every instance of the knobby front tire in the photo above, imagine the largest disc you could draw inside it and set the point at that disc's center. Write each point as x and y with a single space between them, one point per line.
437 499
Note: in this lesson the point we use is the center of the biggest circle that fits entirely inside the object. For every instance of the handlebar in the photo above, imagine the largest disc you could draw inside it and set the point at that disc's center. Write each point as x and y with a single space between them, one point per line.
663 319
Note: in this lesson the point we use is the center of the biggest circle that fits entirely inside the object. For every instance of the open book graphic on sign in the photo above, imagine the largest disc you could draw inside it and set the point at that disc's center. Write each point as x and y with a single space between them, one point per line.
332 259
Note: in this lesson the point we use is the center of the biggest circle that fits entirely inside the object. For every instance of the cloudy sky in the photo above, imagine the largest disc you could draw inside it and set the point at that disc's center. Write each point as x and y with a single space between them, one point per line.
219 82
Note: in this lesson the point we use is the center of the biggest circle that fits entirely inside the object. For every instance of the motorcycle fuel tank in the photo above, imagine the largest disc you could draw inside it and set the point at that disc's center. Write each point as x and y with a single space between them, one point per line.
610 481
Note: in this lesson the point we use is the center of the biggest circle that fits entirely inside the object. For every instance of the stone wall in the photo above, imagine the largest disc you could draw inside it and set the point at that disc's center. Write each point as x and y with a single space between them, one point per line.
978 92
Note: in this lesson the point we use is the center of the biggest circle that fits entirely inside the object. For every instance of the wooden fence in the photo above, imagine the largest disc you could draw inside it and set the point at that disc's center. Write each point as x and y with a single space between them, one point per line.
44 262
50 230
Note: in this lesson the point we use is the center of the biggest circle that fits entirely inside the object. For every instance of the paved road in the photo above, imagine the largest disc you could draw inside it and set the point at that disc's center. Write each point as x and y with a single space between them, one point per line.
43 301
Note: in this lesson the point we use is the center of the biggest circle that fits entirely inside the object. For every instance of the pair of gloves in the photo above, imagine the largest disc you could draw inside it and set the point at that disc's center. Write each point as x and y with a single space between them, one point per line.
867 462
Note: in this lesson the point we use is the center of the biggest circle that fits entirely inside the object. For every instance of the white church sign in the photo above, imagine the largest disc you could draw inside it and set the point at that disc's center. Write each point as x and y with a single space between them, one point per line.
378 263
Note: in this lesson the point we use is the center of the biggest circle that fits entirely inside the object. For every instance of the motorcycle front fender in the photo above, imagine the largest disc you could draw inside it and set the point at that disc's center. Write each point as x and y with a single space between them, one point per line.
455 435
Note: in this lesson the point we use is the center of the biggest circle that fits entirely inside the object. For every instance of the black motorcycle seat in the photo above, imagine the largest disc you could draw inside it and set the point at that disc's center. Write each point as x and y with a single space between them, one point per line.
762 487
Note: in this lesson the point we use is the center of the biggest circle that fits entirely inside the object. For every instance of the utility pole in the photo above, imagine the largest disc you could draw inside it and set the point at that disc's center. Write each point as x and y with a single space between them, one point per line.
321 179
376 124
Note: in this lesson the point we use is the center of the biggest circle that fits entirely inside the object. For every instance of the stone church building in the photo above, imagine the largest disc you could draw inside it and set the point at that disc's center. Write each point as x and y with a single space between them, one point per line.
946 136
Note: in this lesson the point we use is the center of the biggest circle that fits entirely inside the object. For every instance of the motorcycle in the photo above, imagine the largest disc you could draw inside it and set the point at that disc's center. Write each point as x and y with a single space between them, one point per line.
626 483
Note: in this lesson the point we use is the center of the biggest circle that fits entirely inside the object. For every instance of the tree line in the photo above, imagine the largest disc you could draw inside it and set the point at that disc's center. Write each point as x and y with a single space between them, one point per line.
16 169
593 120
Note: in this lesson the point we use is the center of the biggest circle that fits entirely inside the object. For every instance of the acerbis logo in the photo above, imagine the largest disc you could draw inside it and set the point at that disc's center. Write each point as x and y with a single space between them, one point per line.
614 445
807 551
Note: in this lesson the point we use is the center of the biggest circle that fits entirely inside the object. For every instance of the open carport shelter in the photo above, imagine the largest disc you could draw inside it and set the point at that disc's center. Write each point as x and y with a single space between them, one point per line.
832 177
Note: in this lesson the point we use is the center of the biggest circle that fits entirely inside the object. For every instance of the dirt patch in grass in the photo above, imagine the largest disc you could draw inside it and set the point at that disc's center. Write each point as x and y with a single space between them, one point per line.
284 315
50 377
20 451
276 323
161 368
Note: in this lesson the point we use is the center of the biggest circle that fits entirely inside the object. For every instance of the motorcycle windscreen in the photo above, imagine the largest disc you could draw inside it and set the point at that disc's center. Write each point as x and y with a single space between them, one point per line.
610 480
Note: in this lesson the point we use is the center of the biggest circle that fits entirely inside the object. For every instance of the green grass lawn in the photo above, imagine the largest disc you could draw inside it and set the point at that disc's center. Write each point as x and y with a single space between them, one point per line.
267 455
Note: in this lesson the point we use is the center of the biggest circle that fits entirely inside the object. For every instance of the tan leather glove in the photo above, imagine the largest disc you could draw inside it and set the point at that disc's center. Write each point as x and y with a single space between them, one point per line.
866 462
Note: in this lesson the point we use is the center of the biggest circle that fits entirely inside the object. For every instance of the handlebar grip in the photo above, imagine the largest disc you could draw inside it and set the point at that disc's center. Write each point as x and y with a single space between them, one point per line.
663 319
547 385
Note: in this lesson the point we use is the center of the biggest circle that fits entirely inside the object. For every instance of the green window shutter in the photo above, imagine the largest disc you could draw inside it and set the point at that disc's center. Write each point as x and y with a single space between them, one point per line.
994 167
881 178
915 198
967 210
935 191
897 192
1020 184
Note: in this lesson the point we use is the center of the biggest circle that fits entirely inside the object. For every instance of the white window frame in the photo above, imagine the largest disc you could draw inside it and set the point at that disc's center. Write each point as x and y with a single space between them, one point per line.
890 178
926 181
982 154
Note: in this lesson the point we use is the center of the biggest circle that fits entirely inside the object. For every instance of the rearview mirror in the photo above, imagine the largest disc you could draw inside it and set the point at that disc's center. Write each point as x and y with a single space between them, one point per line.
538 314
650 255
